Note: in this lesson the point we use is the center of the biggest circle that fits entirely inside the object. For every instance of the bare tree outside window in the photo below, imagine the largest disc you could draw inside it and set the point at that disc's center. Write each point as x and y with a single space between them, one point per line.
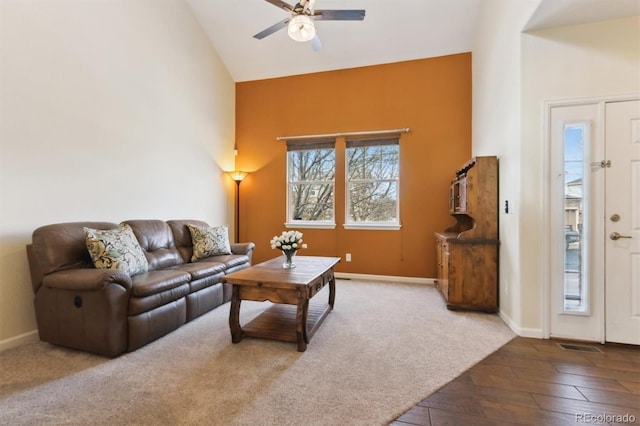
311 175
372 181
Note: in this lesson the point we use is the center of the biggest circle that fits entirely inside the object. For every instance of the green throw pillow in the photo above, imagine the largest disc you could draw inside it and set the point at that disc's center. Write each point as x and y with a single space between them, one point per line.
116 249
209 241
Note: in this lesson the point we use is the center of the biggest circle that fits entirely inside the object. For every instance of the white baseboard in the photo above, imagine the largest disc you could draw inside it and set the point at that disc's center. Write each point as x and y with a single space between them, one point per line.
29 337
390 278
535 333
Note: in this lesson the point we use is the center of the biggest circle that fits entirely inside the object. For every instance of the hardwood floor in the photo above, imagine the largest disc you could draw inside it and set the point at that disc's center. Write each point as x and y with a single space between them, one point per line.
536 382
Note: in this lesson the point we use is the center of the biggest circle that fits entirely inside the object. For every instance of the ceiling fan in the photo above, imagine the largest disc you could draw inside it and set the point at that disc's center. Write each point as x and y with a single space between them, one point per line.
301 22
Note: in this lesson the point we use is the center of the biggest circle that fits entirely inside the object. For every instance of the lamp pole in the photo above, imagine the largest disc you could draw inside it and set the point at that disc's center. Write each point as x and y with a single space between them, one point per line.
238 176
238 210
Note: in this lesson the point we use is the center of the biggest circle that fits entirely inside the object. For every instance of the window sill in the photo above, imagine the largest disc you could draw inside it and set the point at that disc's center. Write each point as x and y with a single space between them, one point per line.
372 226
310 225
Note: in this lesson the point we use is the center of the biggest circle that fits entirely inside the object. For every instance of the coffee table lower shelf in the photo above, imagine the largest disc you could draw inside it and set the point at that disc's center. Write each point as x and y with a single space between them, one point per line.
278 322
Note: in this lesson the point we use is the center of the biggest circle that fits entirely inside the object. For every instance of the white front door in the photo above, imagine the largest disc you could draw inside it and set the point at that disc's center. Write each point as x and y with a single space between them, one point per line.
594 220
622 218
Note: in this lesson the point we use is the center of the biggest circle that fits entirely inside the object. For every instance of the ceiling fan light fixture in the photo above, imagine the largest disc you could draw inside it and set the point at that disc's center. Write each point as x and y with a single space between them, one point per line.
301 28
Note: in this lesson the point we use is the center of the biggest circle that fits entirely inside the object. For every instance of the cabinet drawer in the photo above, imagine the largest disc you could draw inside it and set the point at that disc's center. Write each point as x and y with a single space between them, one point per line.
319 284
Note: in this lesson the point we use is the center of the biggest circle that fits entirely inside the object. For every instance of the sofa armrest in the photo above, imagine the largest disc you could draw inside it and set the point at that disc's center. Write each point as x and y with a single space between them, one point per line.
86 279
242 248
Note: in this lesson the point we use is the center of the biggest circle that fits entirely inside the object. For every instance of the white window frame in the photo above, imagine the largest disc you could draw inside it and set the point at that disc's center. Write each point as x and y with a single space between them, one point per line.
363 142
586 129
309 145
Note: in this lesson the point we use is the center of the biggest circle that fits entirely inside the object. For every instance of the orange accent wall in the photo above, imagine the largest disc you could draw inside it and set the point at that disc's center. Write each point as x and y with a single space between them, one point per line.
430 96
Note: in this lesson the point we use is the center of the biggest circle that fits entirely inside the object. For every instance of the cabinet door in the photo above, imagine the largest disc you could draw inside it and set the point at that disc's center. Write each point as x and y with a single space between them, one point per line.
452 199
442 249
461 206
438 260
473 280
444 282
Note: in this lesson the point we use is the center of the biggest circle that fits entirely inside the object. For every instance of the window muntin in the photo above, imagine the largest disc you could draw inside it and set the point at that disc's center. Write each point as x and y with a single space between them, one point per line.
372 188
311 182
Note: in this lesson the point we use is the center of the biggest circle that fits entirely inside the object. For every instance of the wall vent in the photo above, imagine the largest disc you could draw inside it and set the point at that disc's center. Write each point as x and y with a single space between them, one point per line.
579 348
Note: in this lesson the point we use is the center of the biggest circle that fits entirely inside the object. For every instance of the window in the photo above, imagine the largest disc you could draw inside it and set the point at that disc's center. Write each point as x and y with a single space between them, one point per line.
311 183
576 149
373 183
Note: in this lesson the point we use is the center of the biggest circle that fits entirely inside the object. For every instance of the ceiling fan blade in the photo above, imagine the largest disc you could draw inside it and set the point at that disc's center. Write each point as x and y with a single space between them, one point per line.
338 15
281 4
272 29
316 44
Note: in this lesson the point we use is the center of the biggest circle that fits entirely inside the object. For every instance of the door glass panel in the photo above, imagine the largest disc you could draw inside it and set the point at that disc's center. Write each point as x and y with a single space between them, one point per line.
575 284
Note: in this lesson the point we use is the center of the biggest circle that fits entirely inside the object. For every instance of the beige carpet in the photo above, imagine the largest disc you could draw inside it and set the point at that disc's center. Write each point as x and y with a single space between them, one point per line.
384 348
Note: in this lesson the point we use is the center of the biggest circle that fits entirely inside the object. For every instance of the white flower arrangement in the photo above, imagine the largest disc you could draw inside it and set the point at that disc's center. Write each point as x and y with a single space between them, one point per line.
288 241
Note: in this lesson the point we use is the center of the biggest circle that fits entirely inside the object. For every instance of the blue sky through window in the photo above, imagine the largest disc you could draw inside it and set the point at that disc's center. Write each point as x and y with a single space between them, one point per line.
573 153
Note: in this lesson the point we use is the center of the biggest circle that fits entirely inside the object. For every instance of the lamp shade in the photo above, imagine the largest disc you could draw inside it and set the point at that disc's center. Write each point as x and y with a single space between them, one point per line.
238 175
301 28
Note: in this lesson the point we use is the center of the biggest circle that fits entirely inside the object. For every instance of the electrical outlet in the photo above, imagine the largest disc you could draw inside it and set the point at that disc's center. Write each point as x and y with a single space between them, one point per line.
348 257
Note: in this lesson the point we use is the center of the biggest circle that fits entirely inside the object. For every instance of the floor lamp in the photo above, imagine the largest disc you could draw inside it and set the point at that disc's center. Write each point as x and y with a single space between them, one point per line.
238 176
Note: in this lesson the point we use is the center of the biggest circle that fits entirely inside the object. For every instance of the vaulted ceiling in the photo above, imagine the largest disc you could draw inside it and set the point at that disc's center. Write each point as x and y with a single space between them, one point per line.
392 31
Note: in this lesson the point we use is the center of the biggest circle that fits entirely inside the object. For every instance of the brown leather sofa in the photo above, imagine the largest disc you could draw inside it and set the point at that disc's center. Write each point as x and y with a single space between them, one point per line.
108 312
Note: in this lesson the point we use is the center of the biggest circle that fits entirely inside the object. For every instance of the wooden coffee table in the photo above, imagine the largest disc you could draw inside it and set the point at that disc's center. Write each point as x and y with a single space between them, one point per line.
284 287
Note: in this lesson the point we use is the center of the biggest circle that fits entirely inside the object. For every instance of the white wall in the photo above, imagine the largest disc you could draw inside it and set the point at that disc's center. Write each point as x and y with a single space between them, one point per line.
496 61
513 75
108 111
591 60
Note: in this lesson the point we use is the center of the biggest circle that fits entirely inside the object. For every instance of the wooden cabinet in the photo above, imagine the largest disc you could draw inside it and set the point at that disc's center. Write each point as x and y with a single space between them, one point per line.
467 252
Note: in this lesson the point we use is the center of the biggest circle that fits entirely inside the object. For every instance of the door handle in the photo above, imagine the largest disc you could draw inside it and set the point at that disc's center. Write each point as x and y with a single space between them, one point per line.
616 236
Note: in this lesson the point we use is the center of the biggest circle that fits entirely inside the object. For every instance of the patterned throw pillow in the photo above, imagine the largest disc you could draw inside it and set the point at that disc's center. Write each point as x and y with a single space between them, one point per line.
116 249
209 241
